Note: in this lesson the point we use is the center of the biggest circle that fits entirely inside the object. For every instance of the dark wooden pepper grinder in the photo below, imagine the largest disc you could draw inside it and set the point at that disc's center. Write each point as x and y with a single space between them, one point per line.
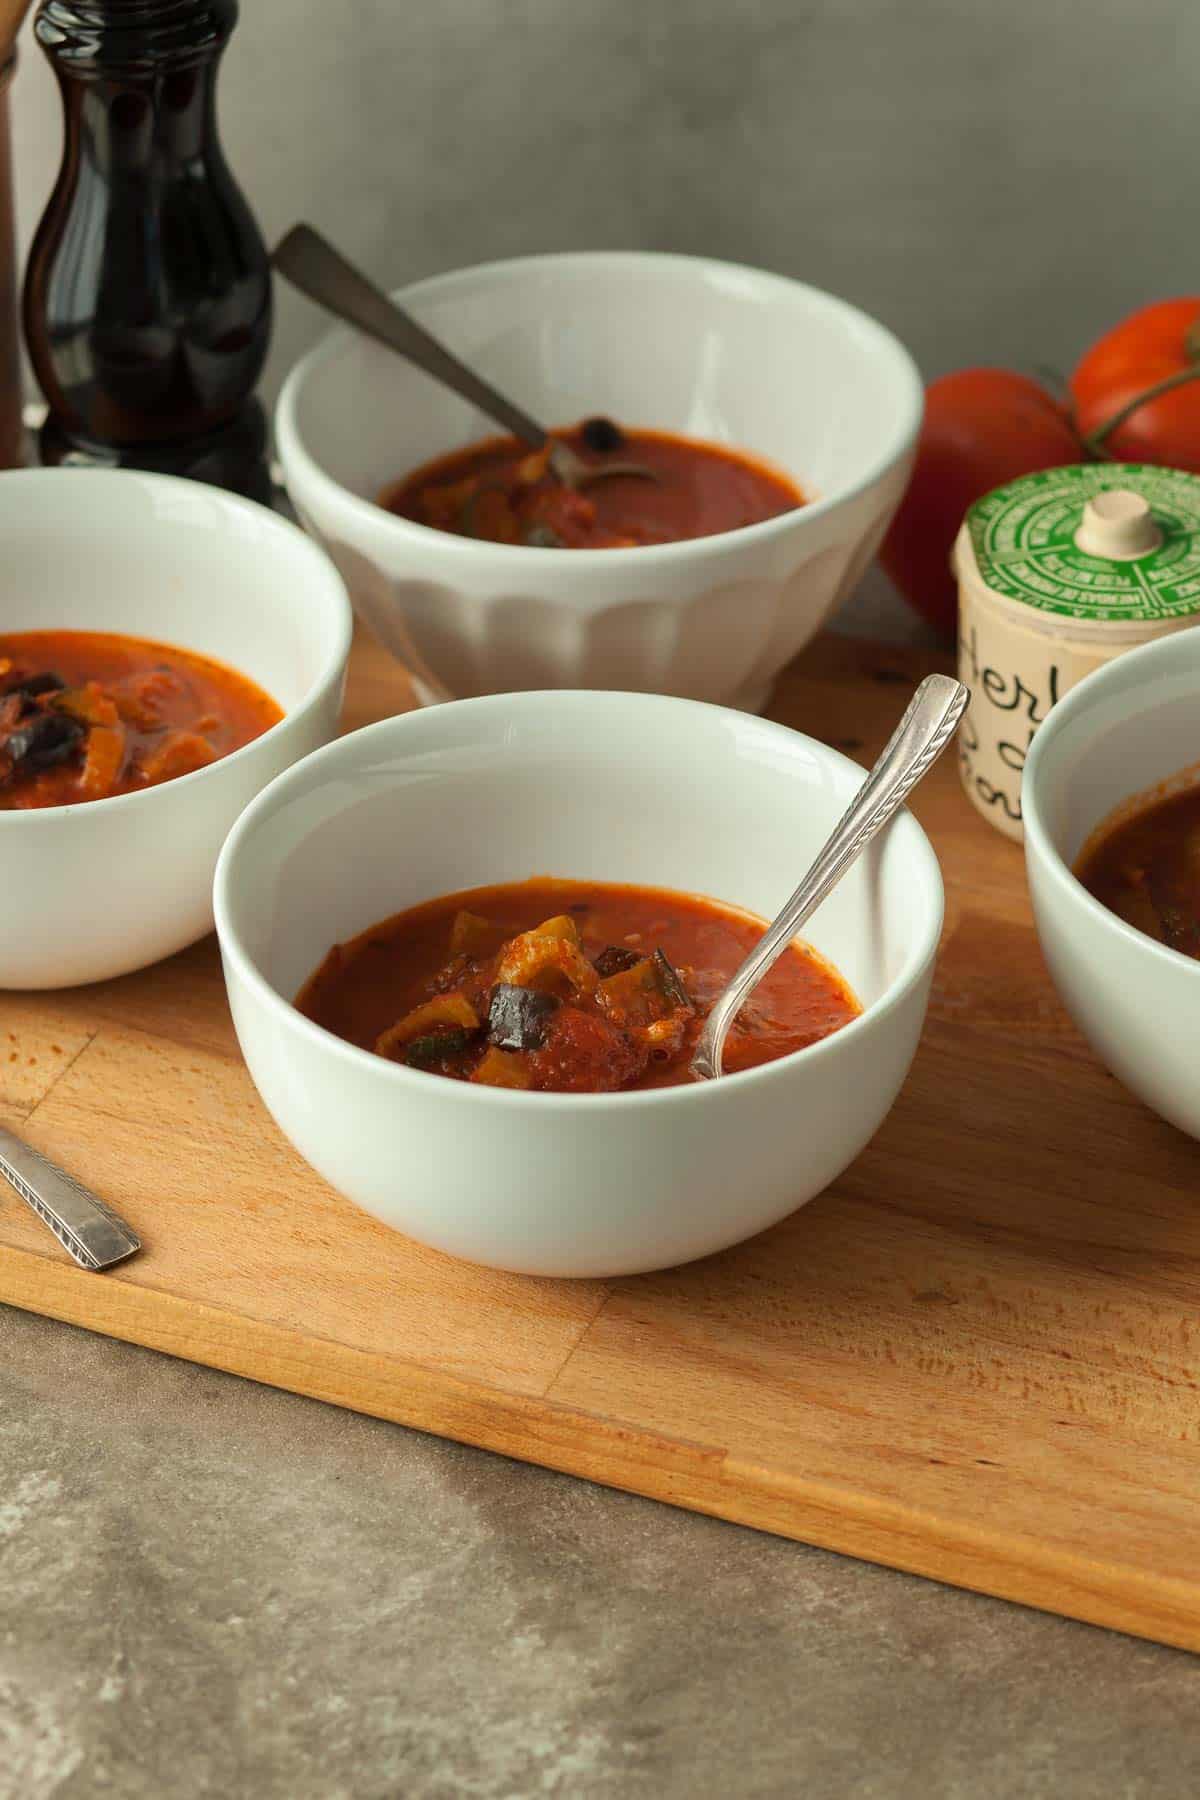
148 292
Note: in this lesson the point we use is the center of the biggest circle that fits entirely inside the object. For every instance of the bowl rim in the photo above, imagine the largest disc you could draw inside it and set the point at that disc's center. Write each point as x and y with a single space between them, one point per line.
293 449
335 599
920 957
1040 847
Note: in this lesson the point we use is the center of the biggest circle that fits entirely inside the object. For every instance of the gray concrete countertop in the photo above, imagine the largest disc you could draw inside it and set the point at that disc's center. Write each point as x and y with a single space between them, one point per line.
210 1588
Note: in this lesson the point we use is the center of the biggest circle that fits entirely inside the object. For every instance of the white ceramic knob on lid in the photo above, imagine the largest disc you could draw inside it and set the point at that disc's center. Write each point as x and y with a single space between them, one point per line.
1118 525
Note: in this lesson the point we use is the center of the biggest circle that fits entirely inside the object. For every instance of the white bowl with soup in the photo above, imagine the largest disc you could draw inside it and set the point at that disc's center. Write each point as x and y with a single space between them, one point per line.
97 887
592 787
1120 744
731 356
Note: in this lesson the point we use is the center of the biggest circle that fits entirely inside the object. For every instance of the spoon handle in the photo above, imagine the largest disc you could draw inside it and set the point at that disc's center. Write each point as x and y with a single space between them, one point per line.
90 1231
311 264
927 726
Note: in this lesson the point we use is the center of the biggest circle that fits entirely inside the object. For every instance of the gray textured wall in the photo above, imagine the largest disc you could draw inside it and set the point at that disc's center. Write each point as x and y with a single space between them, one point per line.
996 182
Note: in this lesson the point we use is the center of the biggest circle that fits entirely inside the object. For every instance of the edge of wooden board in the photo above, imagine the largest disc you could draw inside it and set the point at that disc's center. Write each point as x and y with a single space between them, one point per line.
682 1473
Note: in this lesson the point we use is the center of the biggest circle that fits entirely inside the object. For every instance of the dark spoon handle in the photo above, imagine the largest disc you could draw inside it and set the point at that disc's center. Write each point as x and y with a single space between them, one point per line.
311 264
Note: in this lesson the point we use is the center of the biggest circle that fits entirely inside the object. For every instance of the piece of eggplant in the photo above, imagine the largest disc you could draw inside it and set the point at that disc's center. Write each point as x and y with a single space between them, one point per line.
30 686
518 1016
602 435
671 982
42 741
615 958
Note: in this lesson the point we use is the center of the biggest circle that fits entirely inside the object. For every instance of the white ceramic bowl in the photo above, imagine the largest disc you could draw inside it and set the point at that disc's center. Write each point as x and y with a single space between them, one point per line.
1125 729
95 890
679 343
619 787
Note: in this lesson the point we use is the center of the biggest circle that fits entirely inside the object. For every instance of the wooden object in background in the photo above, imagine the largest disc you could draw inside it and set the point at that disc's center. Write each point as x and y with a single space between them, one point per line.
10 353
12 15
976 1356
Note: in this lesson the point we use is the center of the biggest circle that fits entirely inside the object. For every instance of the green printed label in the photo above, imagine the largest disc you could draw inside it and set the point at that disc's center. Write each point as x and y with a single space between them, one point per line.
1023 536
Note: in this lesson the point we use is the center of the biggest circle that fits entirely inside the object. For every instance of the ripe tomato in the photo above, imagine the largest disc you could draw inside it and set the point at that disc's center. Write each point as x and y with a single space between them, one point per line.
982 427
1161 343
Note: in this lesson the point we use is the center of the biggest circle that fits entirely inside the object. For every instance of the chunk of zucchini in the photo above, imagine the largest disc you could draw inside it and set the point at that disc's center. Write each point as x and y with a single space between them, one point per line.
637 994
470 934
561 926
434 1048
444 1010
629 989
538 959
502 1069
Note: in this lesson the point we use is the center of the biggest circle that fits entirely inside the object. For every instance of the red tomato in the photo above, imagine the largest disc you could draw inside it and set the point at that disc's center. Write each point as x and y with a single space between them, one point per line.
982 427
1161 343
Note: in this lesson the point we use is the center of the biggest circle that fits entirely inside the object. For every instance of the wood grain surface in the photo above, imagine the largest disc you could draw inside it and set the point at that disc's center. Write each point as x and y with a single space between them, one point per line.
974 1357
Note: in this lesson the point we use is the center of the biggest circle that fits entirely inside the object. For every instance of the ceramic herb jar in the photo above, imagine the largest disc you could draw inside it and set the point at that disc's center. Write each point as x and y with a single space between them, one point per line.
1058 573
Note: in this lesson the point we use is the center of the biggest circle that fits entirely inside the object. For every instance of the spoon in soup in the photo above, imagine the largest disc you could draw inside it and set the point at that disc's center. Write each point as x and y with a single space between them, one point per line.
310 263
929 723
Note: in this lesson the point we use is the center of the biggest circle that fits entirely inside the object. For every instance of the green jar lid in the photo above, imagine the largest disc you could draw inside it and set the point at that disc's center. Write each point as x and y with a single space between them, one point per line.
1024 537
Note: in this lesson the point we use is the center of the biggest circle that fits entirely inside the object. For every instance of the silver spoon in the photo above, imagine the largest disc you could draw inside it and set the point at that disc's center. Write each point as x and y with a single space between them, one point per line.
311 264
85 1227
915 745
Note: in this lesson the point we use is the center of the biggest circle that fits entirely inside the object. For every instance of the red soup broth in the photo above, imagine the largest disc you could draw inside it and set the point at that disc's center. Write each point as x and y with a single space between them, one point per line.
1145 866
85 715
567 986
503 492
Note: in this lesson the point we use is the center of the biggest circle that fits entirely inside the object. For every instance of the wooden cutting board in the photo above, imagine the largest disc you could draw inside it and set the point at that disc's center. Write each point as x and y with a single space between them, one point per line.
977 1356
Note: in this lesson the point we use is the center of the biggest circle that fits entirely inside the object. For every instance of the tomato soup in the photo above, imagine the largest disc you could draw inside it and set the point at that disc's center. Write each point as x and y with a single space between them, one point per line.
85 715
1146 869
502 491
567 987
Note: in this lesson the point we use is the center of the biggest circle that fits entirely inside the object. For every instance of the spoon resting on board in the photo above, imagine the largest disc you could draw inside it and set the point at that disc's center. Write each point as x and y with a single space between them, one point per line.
929 723
311 264
86 1228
